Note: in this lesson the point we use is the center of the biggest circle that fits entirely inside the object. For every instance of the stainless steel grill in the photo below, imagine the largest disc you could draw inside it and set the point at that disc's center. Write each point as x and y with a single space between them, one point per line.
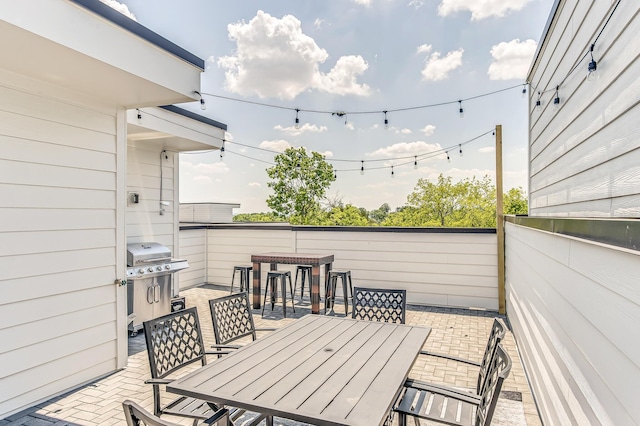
149 281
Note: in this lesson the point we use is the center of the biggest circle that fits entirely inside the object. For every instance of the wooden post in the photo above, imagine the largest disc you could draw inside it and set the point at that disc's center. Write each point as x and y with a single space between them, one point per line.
502 308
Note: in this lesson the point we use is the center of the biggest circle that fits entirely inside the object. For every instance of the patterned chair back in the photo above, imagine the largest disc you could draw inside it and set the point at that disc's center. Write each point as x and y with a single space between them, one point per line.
232 318
383 305
495 337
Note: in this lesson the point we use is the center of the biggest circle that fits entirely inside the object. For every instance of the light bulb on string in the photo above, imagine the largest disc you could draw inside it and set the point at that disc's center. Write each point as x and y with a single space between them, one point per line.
448 158
392 174
524 92
139 116
362 167
592 68
222 149
297 125
460 146
461 110
415 161
386 121
203 106
556 100
335 175
539 103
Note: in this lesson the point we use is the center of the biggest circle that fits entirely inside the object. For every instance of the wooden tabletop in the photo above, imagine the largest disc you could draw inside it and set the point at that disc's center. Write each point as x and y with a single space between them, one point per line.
292 258
318 369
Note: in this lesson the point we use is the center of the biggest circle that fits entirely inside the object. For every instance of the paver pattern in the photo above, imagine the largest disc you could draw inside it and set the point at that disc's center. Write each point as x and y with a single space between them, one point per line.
460 332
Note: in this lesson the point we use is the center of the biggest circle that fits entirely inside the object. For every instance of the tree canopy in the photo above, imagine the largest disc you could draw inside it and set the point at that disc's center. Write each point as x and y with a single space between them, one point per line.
299 183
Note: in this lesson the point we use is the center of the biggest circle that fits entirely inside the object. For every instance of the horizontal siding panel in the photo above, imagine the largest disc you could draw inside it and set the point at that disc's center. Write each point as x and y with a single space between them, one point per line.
30 105
19 243
16 173
19 360
27 151
28 334
49 263
22 196
412 267
39 309
380 246
27 128
13 290
406 237
26 220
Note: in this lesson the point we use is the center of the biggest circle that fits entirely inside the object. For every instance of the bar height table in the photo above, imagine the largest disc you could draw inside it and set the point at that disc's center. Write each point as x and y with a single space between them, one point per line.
275 258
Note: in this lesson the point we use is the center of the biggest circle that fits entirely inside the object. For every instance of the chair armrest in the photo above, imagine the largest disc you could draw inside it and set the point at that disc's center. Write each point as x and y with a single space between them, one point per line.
219 415
218 352
266 329
226 346
158 381
450 392
451 357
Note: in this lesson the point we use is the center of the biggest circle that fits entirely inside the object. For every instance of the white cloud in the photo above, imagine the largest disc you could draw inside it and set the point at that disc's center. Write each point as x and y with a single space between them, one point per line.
326 154
438 68
480 9
228 136
428 130
349 125
122 8
486 149
254 185
416 3
203 179
278 145
211 168
405 149
404 131
363 2
306 127
274 58
318 23
511 59
424 48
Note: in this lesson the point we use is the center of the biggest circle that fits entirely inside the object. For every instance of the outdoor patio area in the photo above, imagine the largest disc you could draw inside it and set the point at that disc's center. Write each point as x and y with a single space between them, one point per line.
458 332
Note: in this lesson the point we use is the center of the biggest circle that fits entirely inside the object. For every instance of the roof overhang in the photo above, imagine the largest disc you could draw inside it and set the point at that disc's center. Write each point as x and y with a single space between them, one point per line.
543 39
174 129
85 46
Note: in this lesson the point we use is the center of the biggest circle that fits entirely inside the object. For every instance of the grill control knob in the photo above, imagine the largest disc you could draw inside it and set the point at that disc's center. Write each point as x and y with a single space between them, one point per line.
167 266
158 268
150 269
141 271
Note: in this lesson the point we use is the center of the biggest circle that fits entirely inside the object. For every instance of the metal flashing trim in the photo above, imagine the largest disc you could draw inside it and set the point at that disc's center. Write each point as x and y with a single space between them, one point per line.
141 31
287 227
623 233
196 117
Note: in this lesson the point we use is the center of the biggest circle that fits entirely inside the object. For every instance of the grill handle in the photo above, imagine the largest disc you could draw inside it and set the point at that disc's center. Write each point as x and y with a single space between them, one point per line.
150 294
154 260
156 293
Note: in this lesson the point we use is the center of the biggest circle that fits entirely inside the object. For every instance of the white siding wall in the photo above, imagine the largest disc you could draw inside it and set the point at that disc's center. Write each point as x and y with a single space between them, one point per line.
585 158
144 221
575 311
436 268
193 247
57 241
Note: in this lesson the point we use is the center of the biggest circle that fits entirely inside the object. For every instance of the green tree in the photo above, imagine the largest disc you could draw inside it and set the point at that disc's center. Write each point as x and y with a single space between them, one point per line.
380 214
257 217
348 215
515 201
299 182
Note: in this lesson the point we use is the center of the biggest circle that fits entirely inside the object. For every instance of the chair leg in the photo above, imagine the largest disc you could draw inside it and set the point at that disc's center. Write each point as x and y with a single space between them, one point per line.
283 286
344 291
233 278
293 295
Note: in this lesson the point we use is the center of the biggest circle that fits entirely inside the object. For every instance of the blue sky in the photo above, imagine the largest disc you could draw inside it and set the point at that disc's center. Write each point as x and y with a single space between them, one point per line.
364 56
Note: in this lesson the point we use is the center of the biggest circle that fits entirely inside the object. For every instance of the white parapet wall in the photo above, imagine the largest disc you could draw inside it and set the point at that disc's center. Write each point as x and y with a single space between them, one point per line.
574 306
437 267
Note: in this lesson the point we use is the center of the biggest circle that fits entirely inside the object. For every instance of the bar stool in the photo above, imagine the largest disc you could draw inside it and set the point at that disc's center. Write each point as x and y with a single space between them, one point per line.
244 271
272 281
330 290
305 270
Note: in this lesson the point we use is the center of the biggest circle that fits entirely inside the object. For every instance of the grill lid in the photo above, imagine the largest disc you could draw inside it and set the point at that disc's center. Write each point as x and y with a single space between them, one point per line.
145 253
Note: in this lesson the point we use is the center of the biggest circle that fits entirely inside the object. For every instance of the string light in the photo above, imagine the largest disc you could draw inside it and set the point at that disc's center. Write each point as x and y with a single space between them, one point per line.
539 103
203 106
592 68
460 146
415 162
139 116
556 100
392 174
386 122
222 149
448 158
341 114
362 167
461 110
297 126
524 91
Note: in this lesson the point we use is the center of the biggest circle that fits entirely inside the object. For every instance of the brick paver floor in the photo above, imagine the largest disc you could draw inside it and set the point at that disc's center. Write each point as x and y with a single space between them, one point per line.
459 332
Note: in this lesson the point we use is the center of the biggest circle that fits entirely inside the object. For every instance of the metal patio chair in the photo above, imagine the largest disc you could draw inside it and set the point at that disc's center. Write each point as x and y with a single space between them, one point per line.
376 304
232 320
135 415
496 335
439 405
173 342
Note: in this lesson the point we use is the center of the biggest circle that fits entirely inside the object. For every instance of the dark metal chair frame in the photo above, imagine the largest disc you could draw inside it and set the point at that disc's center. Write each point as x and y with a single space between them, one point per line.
439 405
497 333
135 415
173 342
272 279
305 271
232 320
244 271
374 304
330 290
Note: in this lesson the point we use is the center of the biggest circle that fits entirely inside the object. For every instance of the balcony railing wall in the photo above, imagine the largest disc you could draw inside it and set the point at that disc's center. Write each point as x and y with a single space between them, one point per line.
441 267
